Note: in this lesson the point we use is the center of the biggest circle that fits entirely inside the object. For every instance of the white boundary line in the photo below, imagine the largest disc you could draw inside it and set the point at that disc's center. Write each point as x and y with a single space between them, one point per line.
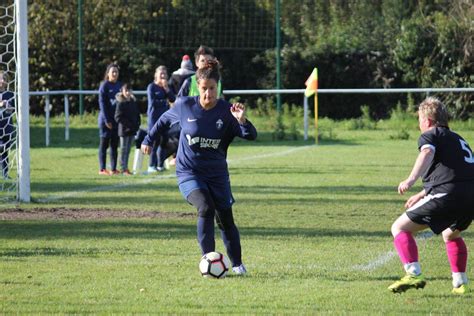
57 197
271 155
387 256
374 264
104 188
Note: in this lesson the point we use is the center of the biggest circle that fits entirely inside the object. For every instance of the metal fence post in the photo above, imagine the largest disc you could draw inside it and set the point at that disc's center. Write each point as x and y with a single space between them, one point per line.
66 117
306 110
47 108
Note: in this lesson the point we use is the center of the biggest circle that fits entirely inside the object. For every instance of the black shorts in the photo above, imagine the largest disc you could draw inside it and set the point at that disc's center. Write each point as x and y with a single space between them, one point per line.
448 205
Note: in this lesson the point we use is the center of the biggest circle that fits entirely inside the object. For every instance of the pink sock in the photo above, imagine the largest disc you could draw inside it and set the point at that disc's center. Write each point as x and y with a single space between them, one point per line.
457 254
406 247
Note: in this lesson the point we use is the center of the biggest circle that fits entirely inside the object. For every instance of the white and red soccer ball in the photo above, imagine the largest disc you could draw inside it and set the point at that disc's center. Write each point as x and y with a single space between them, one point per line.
214 265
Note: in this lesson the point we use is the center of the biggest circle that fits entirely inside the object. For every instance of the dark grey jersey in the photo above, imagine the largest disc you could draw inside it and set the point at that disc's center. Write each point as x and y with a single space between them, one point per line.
453 160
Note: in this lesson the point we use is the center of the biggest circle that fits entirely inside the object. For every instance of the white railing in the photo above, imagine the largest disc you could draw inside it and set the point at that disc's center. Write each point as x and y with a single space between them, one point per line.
66 93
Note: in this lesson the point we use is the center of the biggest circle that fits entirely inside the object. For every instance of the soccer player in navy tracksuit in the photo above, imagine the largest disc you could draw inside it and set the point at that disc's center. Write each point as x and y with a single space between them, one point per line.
7 129
446 203
159 95
108 128
208 126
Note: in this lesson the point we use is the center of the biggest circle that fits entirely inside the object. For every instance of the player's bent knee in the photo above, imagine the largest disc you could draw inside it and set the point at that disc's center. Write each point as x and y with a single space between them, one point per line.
404 223
202 201
449 235
395 229
225 220
205 211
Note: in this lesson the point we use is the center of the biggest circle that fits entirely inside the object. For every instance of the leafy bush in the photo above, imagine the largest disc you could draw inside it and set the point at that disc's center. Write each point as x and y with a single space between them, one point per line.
363 122
285 125
401 134
278 128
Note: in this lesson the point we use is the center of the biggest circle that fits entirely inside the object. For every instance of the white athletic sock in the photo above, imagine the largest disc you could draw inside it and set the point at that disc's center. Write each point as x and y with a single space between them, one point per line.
137 161
459 278
412 268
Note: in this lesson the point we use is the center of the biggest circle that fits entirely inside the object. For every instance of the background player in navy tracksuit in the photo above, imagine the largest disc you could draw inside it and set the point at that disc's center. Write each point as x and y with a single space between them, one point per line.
7 129
107 125
159 95
446 203
171 146
208 126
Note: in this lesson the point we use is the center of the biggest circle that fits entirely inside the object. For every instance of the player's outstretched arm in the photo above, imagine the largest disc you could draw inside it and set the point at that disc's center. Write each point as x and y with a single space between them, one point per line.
422 163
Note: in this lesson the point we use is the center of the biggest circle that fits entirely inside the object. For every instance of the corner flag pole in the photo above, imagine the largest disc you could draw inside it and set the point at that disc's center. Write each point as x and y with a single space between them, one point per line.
316 117
312 88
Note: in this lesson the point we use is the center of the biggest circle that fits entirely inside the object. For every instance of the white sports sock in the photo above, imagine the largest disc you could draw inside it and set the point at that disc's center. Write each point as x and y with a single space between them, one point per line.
137 161
412 268
459 278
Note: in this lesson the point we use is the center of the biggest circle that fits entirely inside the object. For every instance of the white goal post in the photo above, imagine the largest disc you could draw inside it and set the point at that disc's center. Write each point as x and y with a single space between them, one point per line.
14 102
23 104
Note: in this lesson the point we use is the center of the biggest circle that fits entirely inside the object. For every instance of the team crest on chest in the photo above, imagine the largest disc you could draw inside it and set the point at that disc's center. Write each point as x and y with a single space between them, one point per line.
219 124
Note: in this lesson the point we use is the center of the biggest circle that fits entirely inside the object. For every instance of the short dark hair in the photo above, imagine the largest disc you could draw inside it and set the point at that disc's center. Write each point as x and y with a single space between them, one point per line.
209 71
203 50
125 86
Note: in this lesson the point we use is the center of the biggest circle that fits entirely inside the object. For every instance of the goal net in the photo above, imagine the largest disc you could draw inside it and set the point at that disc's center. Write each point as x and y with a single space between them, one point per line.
235 25
8 141
14 154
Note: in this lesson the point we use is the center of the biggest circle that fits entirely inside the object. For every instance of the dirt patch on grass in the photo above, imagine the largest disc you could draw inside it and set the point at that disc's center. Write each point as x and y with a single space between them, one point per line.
84 214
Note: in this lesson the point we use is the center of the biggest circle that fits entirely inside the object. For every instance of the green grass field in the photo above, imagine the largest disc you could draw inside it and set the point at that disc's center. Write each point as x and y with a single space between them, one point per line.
314 221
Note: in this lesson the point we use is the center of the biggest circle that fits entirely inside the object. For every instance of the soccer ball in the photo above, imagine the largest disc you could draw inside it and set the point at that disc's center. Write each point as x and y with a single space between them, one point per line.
214 265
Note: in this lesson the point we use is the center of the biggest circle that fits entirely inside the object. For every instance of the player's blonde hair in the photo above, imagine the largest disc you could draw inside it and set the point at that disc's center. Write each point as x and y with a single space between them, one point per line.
433 109
161 68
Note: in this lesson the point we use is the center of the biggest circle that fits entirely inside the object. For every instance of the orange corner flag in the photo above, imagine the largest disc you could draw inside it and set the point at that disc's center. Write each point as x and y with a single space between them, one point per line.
311 83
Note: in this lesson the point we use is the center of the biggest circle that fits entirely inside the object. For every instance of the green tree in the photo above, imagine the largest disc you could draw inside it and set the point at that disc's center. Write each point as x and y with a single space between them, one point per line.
435 49
355 44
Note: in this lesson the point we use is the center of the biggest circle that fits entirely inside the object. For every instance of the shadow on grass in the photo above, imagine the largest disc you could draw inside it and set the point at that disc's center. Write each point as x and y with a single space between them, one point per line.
266 139
123 201
153 229
141 184
123 194
319 189
88 137
127 201
466 297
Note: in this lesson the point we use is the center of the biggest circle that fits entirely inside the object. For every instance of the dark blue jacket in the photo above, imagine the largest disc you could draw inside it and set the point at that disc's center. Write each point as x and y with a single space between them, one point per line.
6 115
107 102
157 102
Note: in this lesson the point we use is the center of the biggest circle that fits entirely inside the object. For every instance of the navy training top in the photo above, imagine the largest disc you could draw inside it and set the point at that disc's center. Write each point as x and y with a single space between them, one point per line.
107 102
6 112
157 102
204 139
